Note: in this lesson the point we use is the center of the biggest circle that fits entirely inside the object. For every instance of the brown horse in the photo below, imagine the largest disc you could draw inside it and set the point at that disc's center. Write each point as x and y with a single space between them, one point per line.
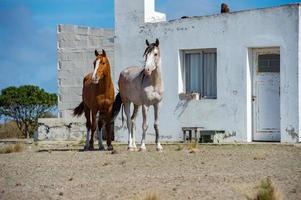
98 97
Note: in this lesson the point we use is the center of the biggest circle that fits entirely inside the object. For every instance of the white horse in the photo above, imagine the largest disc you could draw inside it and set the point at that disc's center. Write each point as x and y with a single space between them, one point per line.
142 87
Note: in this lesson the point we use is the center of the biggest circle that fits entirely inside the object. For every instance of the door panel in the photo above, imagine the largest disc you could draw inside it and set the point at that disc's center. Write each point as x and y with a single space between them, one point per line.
266 94
268 108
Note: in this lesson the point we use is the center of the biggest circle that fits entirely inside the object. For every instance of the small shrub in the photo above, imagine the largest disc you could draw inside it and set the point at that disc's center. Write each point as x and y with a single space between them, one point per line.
82 141
12 148
267 191
151 196
192 145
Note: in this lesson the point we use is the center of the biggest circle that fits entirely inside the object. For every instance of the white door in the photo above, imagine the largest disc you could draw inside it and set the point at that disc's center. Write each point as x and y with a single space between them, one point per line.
266 94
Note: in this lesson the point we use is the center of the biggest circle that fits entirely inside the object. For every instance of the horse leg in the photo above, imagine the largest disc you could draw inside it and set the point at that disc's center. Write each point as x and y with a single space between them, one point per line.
144 127
156 126
133 128
91 143
127 111
100 132
109 129
88 126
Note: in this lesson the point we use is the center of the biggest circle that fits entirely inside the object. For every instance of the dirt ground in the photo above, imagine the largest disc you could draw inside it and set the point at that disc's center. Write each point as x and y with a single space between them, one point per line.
210 172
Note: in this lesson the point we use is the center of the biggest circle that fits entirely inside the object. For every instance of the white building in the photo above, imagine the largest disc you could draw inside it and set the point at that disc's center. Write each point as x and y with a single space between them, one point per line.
245 66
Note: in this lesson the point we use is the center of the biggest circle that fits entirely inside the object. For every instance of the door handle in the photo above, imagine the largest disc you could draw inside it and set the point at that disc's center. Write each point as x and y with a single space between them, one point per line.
253 98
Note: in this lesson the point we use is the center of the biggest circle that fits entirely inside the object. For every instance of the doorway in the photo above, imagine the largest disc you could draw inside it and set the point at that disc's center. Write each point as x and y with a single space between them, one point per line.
266 94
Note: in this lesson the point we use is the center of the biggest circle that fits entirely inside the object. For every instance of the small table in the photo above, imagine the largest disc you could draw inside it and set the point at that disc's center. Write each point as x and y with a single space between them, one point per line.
190 129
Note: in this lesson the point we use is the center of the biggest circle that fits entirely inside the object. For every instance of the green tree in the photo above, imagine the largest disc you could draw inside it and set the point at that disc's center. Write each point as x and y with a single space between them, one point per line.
25 104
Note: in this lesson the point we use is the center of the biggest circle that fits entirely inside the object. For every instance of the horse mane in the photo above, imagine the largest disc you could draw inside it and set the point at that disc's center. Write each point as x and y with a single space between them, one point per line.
149 49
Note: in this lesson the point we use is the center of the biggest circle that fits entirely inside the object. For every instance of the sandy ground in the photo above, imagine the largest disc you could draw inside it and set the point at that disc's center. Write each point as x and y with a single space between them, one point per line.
211 172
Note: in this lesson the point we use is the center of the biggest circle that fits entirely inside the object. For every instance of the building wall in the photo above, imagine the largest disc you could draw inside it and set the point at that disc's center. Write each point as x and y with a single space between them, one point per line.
299 72
75 48
233 35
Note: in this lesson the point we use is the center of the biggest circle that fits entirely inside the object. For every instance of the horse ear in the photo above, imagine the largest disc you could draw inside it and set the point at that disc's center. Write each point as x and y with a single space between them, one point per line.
157 42
147 43
104 52
96 53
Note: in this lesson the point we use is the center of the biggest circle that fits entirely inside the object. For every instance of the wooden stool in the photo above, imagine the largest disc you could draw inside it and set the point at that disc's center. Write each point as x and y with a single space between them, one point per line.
190 130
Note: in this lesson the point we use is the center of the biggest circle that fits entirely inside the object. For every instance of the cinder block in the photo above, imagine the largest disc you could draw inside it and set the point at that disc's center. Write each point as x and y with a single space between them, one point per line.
65 28
82 30
72 41
71 81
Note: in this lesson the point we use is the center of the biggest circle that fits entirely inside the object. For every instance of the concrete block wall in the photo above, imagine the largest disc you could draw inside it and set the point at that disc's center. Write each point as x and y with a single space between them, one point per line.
58 129
75 49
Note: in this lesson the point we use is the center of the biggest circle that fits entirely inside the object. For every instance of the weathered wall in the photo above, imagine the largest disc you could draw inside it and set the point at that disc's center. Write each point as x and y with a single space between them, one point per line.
59 129
233 35
299 71
75 47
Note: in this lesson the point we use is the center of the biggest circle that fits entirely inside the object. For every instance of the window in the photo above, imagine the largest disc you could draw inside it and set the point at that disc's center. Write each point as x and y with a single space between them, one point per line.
269 63
200 72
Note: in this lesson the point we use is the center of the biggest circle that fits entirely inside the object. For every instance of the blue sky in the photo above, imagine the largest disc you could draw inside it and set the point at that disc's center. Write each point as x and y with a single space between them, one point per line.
28 30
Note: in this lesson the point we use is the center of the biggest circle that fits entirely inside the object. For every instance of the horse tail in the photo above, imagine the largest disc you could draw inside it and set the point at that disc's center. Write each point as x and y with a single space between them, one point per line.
122 117
78 111
116 106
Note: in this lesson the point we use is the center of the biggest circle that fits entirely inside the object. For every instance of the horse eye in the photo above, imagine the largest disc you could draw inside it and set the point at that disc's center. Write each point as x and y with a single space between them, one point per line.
156 54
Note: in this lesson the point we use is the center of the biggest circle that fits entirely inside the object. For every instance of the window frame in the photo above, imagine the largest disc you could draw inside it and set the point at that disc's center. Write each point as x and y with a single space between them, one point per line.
184 52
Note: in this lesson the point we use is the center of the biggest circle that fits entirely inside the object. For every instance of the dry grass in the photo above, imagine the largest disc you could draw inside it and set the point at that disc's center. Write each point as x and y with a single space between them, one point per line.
12 148
82 141
150 196
193 147
267 191
10 130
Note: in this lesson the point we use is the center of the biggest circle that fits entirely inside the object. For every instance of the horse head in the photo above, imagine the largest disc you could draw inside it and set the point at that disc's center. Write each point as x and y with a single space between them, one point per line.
101 65
152 57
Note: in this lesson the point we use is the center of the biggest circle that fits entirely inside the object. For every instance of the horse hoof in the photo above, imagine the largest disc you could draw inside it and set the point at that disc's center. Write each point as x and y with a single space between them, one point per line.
110 148
91 148
86 148
131 149
102 148
142 149
160 149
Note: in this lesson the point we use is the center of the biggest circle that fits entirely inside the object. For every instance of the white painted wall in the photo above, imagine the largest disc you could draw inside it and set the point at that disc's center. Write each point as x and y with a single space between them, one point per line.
234 35
299 72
